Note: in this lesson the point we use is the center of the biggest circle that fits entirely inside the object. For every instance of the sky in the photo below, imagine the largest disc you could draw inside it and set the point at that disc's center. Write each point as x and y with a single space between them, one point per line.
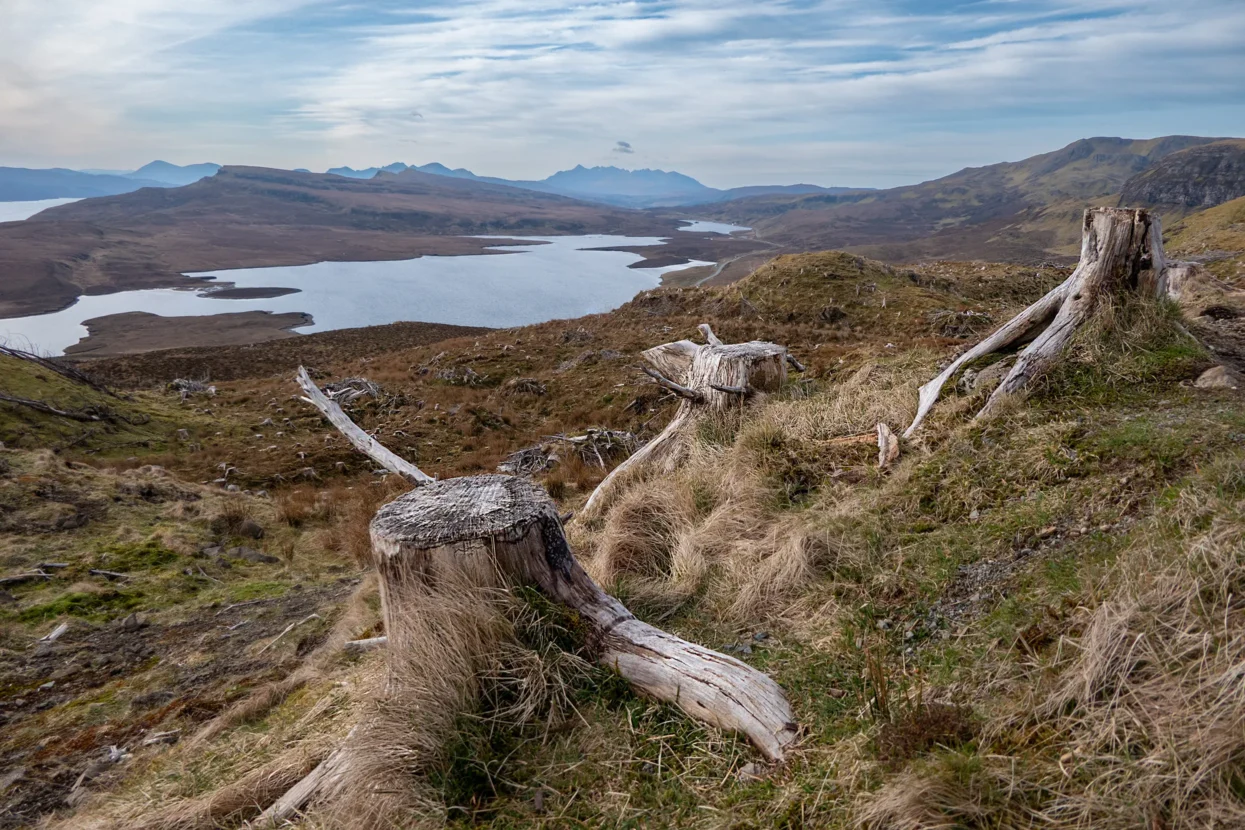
733 92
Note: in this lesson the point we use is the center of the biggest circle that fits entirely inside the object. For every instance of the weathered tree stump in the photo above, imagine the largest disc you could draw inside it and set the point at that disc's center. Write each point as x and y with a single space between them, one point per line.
503 531
1121 251
710 378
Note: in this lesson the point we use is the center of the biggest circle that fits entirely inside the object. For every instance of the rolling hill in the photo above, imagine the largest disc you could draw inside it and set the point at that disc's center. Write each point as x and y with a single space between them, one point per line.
20 184
251 217
1025 210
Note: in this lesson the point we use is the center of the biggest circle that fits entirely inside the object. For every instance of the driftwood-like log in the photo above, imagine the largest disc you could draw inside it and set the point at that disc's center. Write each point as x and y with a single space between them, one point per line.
1121 251
709 378
322 781
360 646
363 442
497 531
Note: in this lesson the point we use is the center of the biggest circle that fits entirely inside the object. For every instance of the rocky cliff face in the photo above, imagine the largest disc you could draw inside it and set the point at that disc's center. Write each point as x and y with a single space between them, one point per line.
1192 179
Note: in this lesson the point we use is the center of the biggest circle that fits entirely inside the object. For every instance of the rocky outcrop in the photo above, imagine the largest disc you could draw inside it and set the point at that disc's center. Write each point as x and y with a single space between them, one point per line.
1192 179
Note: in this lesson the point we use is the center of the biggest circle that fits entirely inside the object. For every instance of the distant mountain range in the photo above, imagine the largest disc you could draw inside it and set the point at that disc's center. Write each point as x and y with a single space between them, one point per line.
21 184
608 185
605 185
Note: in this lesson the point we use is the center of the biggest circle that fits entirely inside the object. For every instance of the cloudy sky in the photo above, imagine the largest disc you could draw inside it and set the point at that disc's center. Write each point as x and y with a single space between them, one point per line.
733 92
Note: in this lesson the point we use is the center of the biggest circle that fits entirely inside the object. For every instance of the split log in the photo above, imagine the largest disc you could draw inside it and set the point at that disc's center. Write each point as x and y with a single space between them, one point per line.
497 531
360 646
888 446
711 378
363 442
1121 251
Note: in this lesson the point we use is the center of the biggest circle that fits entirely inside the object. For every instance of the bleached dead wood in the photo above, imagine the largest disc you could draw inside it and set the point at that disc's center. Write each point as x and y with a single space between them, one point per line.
17 579
503 531
319 783
55 634
708 378
287 630
363 442
48 409
359 646
1121 251
888 446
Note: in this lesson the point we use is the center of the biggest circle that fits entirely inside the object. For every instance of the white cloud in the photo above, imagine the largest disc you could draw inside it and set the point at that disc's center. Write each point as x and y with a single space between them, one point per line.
731 91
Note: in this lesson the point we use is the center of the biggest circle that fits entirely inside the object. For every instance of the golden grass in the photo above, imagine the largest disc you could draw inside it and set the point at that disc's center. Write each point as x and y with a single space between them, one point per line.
1138 720
727 527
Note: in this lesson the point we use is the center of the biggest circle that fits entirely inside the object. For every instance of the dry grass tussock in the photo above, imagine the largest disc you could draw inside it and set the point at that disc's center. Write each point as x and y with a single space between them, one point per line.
1139 721
471 660
726 526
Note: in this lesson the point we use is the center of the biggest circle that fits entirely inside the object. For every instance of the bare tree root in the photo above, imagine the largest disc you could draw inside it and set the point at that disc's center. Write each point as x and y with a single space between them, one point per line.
1121 251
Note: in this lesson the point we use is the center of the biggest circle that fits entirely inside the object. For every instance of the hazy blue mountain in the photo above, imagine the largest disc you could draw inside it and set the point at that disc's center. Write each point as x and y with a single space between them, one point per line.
609 185
21 184
172 174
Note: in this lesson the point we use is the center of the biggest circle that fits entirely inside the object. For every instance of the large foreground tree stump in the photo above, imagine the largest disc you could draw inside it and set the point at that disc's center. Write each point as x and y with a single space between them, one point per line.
709 378
1121 251
502 531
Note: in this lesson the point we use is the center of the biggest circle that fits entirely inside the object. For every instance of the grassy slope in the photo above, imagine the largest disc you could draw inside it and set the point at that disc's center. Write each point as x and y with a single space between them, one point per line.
919 620
1216 236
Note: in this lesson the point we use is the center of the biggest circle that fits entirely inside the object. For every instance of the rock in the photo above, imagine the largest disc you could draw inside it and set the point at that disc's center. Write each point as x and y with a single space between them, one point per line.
131 623
250 529
232 488
991 376
761 636
1219 377
751 772
209 551
832 314
251 555
737 648
183 435
223 562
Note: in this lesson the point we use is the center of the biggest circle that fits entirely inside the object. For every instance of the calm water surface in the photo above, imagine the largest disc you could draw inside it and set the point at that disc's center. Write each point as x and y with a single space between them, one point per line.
17 211
547 278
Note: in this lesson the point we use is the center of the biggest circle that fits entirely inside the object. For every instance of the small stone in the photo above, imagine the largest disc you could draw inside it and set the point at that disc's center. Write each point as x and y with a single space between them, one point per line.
974 515
232 488
209 551
751 772
183 435
131 623
47 686
1218 377
761 636
886 625
223 562
251 555
250 529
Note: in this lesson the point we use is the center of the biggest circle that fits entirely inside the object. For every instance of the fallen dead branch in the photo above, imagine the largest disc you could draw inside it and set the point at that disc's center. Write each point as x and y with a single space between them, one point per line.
363 442
287 630
48 409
